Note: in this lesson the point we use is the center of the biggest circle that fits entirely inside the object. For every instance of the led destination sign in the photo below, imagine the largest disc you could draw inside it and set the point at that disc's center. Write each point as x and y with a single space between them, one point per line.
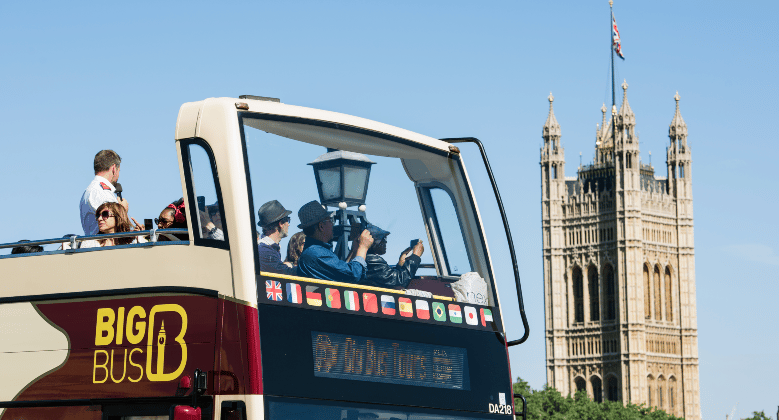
390 361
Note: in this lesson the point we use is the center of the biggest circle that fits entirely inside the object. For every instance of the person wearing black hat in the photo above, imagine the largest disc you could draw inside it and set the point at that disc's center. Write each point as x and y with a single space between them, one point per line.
318 259
274 220
382 274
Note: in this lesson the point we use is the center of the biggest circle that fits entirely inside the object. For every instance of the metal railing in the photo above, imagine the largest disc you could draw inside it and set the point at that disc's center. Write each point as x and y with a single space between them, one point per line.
73 240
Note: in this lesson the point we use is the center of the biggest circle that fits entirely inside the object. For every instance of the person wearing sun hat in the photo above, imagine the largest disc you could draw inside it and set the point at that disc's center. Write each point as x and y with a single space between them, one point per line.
274 221
318 259
382 274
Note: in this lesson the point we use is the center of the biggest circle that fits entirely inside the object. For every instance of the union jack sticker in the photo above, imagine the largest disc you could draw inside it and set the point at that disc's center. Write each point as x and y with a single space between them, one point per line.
273 290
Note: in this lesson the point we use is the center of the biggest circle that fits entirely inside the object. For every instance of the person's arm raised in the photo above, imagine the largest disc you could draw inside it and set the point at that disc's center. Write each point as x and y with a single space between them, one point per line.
366 240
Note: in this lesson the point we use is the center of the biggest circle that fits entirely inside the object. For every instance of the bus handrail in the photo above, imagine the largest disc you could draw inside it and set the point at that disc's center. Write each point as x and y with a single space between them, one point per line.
508 233
152 234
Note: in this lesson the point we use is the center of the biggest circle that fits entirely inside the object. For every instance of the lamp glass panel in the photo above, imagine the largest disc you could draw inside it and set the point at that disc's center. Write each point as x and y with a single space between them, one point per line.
331 183
354 182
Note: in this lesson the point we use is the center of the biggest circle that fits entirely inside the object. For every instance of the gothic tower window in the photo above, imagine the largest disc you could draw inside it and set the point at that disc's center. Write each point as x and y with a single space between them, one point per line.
611 301
647 294
658 303
671 389
669 312
592 281
660 383
612 389
650 383
597 393
578 295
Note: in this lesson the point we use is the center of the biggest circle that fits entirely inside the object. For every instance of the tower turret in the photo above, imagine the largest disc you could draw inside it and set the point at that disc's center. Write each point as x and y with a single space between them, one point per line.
552 198
679 156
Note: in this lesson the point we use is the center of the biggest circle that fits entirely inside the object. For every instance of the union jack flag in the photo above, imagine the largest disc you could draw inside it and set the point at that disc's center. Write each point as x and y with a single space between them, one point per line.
273 290
616 43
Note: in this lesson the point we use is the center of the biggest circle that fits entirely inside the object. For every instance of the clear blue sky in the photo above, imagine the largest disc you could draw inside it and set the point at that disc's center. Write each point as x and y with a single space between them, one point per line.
76 78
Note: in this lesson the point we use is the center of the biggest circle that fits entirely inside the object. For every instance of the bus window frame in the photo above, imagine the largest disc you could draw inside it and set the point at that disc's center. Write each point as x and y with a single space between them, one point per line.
436 238
192 200
384 136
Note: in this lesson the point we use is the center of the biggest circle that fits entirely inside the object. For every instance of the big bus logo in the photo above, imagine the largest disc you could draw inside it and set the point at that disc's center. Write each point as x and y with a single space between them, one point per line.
113 327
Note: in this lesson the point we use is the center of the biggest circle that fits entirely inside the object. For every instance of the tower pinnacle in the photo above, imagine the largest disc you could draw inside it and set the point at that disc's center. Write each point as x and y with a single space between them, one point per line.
625 110
678 127
551 127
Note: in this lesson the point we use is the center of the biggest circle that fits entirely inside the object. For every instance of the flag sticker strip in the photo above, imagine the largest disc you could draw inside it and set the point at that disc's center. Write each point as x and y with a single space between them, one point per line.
273 290
372 303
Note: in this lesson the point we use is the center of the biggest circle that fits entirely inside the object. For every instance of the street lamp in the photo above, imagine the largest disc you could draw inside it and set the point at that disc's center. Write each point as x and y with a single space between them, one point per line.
342 181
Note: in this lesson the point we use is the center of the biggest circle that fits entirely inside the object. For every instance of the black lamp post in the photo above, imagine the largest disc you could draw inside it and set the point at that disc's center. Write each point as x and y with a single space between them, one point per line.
342 181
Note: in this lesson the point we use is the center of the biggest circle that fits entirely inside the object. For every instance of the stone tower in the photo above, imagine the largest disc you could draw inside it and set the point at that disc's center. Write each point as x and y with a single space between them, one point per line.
619 268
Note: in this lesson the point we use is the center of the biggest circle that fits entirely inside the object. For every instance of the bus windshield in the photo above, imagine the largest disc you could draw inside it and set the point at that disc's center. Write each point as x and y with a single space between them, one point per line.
366 179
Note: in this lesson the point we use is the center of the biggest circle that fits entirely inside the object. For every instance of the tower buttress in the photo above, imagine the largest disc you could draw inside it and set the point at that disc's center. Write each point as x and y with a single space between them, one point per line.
680 185
553 194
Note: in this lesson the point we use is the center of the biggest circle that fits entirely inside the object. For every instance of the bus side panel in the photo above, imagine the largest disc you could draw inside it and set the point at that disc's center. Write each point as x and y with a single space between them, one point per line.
230 373
127 347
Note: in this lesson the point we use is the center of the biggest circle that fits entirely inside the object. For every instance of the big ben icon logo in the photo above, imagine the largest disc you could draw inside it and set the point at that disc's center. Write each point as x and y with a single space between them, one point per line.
161 349
157 343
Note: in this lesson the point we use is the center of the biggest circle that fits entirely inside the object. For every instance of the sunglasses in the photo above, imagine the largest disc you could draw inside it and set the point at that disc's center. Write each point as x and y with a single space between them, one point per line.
105 214
162 222
285 220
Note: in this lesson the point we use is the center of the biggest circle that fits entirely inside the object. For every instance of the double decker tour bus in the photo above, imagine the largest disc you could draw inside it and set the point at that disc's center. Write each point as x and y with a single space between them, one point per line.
186 326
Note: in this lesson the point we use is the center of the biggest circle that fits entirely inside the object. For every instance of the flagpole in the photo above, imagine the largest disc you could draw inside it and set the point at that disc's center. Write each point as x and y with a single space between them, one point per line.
611 47
613 100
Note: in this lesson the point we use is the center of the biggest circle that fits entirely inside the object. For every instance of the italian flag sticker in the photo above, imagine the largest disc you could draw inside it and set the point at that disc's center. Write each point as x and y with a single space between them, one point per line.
352 300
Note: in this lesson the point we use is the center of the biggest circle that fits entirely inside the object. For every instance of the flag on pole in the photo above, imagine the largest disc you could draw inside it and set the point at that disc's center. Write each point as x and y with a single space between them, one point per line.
616 43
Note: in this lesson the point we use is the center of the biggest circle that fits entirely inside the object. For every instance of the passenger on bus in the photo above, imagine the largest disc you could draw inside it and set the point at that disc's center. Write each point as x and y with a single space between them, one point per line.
112 218
295 248
26 249
101 189
382 274
274 221
174 217
318 259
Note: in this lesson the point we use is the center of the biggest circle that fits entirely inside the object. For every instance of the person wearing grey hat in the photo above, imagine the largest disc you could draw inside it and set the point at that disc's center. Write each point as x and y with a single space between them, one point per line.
274 221
382 274
318 259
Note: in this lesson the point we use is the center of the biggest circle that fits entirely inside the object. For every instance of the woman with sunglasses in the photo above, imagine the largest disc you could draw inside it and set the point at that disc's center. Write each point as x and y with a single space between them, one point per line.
112 218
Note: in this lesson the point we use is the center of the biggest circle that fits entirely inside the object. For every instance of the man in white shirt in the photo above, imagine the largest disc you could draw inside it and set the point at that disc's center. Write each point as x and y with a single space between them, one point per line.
101 189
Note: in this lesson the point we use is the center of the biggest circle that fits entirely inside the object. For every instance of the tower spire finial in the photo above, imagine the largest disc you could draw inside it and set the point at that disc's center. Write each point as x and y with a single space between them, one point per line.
678 126
551 127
